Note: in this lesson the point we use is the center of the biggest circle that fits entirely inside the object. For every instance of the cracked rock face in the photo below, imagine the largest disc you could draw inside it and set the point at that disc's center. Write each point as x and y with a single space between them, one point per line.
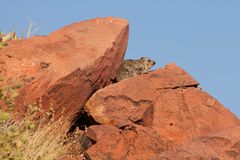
135 97
166 102
62 70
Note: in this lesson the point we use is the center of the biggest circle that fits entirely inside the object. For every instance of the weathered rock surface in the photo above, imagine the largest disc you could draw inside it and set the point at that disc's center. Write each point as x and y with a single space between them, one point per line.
135 142
126 102
224 144
62 70
165 102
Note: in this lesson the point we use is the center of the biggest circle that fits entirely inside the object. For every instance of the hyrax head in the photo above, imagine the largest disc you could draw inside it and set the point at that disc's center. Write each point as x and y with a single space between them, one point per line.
148 63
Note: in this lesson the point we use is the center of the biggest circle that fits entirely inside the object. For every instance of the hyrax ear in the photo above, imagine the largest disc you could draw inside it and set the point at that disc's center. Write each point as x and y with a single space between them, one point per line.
142 58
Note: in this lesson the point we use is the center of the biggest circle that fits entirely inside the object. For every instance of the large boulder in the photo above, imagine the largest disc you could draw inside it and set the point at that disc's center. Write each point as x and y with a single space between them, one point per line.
126 102
59 72
166 102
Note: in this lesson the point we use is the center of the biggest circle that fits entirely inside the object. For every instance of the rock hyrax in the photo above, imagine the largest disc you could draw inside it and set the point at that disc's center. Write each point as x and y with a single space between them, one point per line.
130 68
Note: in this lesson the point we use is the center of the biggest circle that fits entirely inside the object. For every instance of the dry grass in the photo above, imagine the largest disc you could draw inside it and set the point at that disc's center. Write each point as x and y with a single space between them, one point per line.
24 141
46 144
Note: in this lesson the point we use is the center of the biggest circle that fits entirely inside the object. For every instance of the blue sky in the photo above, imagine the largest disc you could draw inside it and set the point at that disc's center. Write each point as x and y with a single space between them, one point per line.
201 36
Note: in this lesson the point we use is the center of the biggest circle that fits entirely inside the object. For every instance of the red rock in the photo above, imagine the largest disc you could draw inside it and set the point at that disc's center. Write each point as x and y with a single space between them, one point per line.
135 142
166 101
185 113
62 70
69 157
159 115
3 106
127 101
224 144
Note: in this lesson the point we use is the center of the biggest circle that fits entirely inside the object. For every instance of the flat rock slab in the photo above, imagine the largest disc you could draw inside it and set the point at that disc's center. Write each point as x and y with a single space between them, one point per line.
62 70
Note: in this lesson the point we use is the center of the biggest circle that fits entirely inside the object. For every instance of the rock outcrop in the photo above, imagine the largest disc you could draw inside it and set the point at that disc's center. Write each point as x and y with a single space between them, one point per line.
164 108
160 115
61 71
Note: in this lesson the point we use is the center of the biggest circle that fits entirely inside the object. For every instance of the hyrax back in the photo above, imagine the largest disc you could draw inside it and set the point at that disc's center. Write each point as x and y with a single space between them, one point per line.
130 68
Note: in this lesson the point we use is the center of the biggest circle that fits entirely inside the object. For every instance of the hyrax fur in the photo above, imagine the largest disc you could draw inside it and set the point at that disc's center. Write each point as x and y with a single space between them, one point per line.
130 68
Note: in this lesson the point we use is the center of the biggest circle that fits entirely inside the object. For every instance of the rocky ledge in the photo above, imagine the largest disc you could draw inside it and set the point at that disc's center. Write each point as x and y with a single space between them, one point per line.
160 115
